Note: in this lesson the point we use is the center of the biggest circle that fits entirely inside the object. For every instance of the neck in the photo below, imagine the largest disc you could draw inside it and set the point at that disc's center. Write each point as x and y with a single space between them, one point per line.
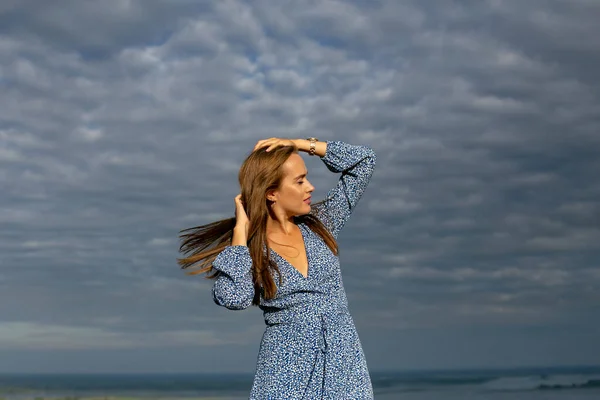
280 224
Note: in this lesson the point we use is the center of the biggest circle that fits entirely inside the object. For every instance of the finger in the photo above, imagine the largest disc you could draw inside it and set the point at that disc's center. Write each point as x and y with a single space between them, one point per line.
262 143
274 143
263 140
279 143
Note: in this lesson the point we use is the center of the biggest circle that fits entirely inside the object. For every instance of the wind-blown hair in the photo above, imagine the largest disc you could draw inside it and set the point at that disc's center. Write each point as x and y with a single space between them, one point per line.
261 172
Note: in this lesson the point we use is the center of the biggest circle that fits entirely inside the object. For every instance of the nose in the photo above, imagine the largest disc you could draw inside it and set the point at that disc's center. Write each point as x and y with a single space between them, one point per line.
310 187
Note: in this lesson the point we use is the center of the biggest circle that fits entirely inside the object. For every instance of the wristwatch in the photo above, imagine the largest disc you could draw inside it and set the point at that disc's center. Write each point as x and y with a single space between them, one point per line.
313 145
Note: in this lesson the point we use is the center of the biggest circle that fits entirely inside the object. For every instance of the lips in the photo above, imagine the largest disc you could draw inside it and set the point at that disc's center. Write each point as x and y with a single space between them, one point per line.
307 200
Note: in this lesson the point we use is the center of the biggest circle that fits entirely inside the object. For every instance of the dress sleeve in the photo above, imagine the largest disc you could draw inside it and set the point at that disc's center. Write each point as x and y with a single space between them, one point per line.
233 287
356 163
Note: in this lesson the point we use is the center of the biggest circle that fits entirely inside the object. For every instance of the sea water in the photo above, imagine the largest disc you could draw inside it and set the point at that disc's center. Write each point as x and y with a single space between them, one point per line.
559 383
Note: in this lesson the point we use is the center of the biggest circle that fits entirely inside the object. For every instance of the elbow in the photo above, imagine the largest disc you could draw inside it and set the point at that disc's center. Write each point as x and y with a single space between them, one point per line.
369 160
232 300
372 156
233 303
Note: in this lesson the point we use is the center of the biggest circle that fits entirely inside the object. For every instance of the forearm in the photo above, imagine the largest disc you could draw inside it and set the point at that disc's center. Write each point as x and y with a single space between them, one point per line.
304 145
240 236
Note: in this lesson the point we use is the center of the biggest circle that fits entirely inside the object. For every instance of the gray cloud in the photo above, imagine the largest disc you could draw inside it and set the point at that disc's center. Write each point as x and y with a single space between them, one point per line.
122 123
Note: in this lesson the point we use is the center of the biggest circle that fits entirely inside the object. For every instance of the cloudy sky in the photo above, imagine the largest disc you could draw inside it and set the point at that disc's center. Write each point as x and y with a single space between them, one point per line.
123 122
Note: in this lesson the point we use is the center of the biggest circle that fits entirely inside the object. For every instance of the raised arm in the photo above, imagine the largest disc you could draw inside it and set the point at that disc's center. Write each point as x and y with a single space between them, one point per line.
356 163
233 288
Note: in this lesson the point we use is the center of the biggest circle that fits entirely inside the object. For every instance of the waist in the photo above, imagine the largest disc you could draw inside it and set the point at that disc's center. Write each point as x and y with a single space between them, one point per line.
304 314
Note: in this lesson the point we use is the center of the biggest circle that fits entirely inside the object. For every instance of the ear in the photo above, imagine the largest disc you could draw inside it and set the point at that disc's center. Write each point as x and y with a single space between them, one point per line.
271 195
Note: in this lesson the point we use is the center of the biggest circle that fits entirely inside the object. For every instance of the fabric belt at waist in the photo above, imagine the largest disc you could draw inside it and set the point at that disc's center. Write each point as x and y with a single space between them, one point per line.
325 321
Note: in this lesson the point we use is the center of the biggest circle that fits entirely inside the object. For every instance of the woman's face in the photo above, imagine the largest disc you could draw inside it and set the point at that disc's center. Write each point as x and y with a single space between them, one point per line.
294 189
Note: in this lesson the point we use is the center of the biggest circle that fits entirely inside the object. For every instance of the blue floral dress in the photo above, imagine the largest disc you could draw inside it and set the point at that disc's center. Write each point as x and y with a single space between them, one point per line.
310 348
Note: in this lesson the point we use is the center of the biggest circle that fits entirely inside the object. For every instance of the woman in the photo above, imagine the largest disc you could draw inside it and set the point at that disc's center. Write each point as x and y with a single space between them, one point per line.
280 253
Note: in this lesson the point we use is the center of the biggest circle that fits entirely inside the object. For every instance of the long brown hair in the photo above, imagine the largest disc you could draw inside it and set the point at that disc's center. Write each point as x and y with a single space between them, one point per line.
261 172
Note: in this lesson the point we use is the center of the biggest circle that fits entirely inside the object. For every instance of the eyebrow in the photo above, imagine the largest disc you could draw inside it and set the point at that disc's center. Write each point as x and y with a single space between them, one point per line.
299 176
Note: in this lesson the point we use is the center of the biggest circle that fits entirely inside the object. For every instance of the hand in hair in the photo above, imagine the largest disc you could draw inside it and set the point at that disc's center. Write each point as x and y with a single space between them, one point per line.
241 218
273 143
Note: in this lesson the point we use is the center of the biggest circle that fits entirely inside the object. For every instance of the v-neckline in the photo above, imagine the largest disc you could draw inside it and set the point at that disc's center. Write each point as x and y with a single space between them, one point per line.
305 251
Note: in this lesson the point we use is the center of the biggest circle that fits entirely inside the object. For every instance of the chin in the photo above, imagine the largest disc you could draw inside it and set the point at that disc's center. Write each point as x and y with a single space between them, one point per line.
304 211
